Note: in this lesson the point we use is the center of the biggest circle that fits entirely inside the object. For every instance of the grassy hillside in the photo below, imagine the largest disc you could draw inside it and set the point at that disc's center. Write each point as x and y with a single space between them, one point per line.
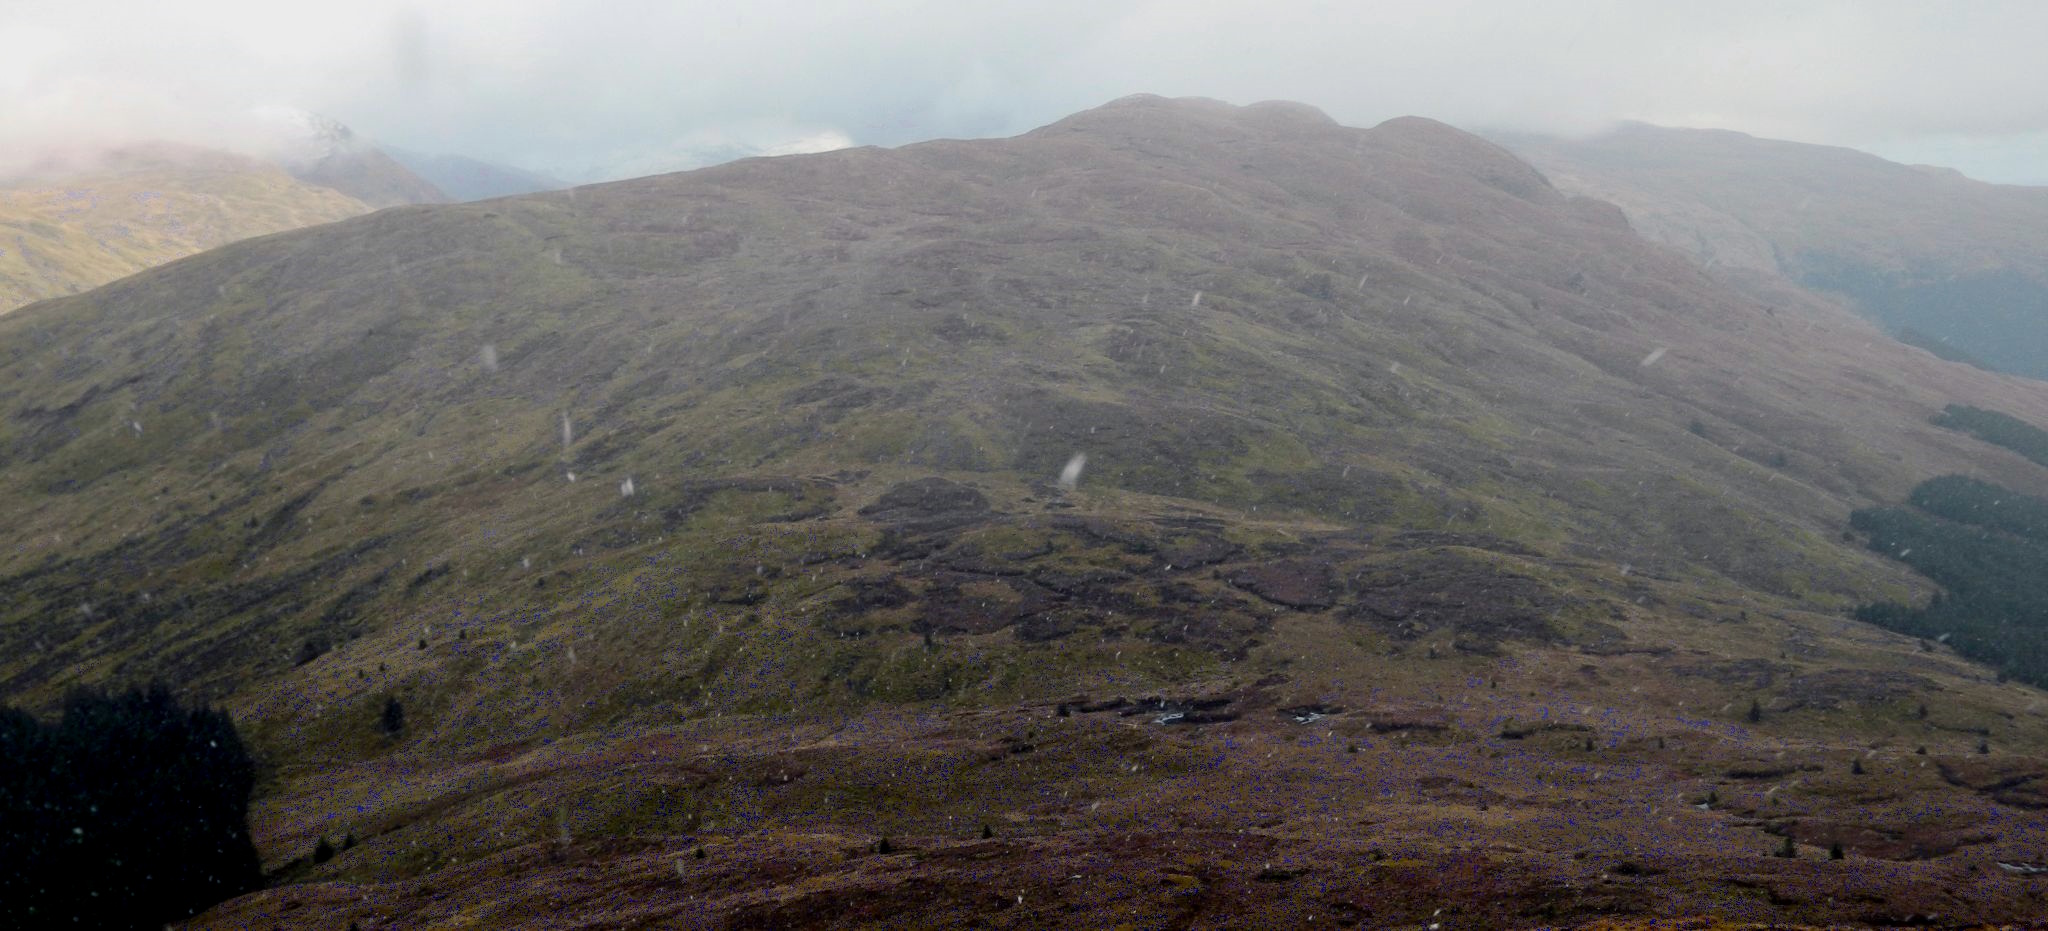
141 208
1433 535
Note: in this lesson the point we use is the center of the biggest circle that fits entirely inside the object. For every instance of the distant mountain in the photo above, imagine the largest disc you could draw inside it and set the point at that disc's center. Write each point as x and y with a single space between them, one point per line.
1180 515
72 225
73 220
1956 261
466 179
322 151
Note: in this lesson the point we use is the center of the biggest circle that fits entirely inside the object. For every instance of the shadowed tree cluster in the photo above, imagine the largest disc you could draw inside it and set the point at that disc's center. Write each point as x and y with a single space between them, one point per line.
129 812
1987 546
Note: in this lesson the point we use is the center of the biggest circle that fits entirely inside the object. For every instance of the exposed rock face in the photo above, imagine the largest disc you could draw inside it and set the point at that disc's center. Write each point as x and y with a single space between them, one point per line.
1293 583
1444 592
1830 688
927 502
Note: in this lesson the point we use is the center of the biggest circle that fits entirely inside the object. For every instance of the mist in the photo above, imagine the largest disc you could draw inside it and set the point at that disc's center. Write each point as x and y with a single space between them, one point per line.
627 88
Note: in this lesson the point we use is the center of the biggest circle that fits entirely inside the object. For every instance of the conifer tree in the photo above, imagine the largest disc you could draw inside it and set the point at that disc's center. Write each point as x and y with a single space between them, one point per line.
130 811
392 720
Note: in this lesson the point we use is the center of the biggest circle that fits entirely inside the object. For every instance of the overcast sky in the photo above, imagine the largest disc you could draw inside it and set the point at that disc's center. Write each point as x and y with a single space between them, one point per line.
596 89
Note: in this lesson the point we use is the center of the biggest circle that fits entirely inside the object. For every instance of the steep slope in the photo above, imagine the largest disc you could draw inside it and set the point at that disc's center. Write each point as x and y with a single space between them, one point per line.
1918 249
1433 533
64 232
463 178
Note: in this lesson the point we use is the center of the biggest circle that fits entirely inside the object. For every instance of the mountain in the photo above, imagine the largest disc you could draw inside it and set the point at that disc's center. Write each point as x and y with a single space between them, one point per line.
1178 514
464 179
1955 263
68 227
75 220
321 150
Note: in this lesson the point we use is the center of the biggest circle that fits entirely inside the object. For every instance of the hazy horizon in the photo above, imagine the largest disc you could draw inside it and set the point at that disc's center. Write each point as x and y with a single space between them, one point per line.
641 87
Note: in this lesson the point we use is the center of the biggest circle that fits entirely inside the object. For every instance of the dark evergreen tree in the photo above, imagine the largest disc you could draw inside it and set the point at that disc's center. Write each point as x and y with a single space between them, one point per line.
31 815
392 720
130 812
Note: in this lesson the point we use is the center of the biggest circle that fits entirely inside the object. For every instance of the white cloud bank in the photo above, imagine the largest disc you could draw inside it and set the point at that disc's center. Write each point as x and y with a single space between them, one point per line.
609 88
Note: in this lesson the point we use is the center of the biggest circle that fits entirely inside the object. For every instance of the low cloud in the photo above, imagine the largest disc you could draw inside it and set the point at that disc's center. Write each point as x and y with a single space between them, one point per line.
597 90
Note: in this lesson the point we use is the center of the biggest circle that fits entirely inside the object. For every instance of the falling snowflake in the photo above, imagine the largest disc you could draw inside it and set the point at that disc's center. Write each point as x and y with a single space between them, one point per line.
1071 475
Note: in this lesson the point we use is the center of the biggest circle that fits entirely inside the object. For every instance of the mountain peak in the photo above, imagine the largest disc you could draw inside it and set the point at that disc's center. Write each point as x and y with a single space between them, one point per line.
1140 112
324 151
1449 146
1298 134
